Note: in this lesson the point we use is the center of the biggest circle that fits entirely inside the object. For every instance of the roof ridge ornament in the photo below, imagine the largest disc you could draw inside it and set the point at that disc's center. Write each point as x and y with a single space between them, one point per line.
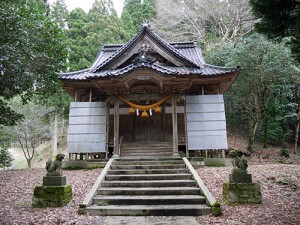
144 56
145 25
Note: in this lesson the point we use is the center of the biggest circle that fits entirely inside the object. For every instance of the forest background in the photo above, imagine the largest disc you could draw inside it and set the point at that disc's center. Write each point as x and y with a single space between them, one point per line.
40 40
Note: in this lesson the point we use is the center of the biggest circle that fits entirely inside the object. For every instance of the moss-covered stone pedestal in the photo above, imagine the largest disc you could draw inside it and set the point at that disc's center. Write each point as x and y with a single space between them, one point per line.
240 189
241 193
51 196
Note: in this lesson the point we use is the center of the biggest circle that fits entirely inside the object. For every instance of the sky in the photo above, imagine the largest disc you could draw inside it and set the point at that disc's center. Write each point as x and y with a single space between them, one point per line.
87 4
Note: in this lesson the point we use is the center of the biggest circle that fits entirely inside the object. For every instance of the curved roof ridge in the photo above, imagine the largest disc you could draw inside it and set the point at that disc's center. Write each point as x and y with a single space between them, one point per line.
145 27
223 67
75 72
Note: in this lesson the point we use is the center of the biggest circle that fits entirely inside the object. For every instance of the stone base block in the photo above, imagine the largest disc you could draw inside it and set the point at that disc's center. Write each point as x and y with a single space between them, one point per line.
242 193
54 181
240 176
51 196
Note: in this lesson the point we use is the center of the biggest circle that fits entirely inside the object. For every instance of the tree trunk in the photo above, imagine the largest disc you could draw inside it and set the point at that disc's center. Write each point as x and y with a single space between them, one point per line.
62 125
252 132
265 145
29 163
296 137
297 130
54 137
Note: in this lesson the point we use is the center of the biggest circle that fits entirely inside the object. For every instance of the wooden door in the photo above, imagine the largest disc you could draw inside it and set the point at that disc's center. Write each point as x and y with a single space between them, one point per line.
149 128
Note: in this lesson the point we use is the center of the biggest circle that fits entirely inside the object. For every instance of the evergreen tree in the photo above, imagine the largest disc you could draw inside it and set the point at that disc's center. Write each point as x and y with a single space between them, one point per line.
89 31
280 18
31 53
76 34
135 12
5 158
261 99
59 13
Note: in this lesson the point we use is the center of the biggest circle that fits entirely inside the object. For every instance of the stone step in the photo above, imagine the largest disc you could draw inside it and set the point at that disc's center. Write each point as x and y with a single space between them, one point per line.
155 158
149 210
149 183
148 199
143 167
143 144
146 153
147 149
150 151
148 162
149 191
148 171
129 177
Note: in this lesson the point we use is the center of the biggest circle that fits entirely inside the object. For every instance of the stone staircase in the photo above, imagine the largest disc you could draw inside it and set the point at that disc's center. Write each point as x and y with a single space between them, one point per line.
148 187
146 149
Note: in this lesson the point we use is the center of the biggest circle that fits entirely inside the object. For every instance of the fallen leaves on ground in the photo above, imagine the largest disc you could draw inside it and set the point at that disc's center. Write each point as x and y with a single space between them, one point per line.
280 187
17 187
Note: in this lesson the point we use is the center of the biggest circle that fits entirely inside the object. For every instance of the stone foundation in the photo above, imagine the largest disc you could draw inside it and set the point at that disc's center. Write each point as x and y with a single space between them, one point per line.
51 196
54 181
242 193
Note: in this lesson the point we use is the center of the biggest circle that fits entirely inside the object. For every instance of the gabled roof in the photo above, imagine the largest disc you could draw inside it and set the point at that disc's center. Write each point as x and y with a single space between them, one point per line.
145 30
114 59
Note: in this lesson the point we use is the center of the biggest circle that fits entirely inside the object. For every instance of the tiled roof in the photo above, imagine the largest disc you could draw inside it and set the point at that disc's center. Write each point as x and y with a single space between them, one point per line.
188 52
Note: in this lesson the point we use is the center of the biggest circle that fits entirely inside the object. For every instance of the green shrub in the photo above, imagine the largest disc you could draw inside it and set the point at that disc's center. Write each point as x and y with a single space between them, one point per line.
285 151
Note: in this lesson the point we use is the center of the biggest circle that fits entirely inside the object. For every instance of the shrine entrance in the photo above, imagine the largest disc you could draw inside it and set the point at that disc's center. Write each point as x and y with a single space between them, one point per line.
148 129
155 128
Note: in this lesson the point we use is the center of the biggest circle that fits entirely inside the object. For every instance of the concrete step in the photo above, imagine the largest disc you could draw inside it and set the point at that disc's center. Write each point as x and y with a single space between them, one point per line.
149 183
129 177
142 144
148 162
143 167
148 159
149 191
148 199
148 171
146 153
150 152
149 210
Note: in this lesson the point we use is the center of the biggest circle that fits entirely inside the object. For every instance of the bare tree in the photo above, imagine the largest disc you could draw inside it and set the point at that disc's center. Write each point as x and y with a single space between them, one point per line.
197 19
31 130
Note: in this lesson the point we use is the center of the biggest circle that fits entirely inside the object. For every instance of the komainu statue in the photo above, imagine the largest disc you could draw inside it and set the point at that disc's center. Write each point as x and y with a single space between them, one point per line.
54 166
238 162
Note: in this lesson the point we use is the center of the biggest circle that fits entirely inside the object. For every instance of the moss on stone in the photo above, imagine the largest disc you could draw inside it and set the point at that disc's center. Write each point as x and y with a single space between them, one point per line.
82 209
242 193
51 196
216 209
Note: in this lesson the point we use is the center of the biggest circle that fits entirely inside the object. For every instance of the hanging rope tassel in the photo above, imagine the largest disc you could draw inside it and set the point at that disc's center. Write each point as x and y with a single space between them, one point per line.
150 112
144 114
137 112
157 110
131 110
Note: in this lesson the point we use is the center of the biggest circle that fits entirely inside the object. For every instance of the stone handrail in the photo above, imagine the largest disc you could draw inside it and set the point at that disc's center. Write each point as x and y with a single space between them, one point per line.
211 201
93 192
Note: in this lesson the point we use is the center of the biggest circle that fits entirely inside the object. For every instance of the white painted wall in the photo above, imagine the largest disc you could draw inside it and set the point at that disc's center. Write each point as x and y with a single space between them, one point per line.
87 127
206 122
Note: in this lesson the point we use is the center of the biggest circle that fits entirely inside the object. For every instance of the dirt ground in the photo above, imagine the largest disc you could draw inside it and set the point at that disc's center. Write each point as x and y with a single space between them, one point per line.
278 177
280 185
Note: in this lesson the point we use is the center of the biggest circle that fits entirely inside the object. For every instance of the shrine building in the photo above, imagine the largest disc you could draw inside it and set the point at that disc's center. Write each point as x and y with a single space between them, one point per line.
145 94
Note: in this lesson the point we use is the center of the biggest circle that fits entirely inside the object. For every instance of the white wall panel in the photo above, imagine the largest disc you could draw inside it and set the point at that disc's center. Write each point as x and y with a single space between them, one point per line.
87 127
206 122
87 120
213 107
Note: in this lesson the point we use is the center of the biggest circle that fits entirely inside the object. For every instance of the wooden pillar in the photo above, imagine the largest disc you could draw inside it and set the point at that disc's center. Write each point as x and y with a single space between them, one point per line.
107 129
91 93
116 128
75 95
175 127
